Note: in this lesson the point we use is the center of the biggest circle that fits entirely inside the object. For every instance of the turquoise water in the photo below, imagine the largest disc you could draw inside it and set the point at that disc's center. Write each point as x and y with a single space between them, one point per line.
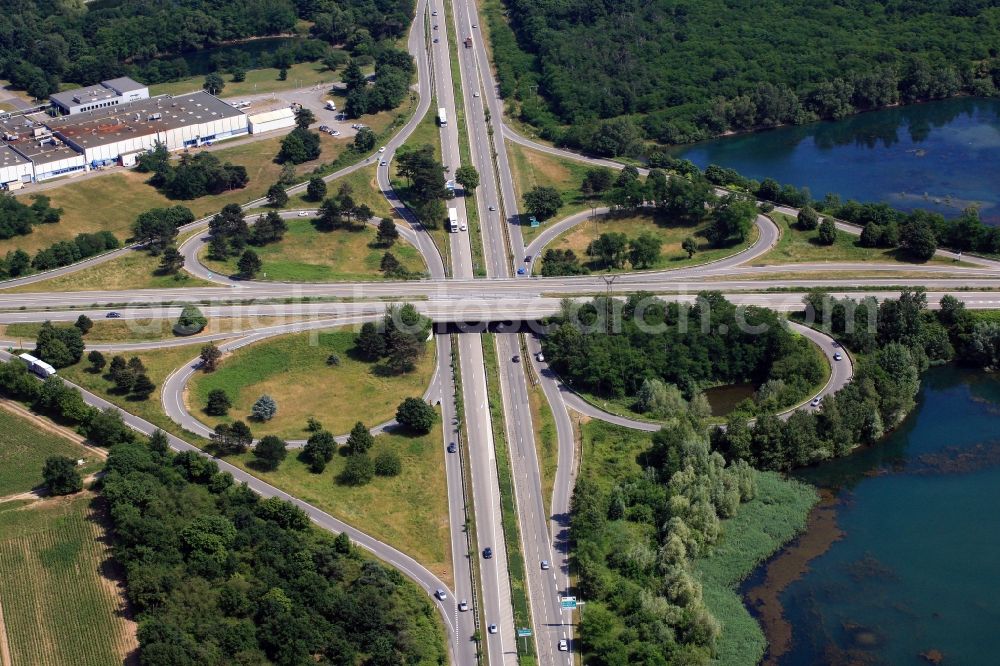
918 567
939 156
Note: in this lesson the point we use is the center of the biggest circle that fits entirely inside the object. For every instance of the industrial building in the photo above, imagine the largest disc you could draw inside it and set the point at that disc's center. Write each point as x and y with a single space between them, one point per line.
105 95
271 120
14 168
116 135
50 157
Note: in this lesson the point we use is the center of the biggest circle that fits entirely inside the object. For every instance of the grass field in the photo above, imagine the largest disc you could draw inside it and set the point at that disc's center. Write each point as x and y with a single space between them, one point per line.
264 80
293 370
798 246
762 526
409 511
135 270
308 255
24 448
59 606
546 442
533 169
671 235
141 330
364 190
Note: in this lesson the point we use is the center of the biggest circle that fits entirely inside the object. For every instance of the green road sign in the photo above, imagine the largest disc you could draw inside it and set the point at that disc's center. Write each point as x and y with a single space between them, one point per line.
568 602
523 633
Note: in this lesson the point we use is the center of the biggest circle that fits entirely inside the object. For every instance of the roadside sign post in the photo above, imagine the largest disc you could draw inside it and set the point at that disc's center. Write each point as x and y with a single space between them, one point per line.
568 603
525 633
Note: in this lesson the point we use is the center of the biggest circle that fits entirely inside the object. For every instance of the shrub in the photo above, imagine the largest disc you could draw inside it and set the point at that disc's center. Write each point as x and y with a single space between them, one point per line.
270 451
61 476
388 463
264 409
358 471
218 403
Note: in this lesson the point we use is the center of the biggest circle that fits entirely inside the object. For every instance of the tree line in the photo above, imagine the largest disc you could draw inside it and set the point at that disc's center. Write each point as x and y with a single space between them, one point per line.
605 78
19 219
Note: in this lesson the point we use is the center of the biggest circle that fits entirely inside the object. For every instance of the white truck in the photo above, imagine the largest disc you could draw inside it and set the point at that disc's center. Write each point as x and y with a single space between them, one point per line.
443 117
330 106
453 220
38 366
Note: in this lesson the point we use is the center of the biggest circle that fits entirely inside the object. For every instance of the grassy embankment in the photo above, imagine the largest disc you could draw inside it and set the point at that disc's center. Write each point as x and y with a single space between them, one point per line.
24 447
546 442
306 254
60 603
797 246
668 233
406 511
143 330
533 169
761 527
293 370
258 81
508 502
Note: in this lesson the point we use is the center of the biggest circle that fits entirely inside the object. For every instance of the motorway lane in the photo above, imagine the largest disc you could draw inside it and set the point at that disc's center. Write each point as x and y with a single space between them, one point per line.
404 563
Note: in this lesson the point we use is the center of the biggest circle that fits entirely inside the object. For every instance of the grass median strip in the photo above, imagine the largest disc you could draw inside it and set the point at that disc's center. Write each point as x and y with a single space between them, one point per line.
508 503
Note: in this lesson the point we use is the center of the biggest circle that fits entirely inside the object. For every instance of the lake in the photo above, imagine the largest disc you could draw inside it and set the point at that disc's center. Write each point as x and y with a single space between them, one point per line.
941 156
899 565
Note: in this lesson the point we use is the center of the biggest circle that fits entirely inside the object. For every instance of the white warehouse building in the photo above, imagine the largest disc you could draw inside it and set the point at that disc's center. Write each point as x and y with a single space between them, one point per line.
118 134
271 120
107 94
14 168
50 157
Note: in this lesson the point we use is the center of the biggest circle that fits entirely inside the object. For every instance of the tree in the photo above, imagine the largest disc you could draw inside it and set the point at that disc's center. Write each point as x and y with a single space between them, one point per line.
171 262
61 476
190 322
319 450
270 228
239 74
84 323
270 451
107 429
918 239
358 470
210 357
644 251
316 189
596 181
827 232
283 74
387 232
468 177
218 403
542 202
60 346
391 267
304 118
416 415
232 438
388 463
143 386
214 84
370 342
299 145
689 245
611 249
557 262
808 218
360 440
97 361
264 409
276 196
364 140
733 216
249 264
353 77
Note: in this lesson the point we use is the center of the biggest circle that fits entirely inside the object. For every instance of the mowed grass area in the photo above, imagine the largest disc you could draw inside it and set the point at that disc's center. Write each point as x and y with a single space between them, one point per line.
59 606
409 511
263 80
159 364
546 442
774 517
533 169
293 370
308 255
798 246
112 201
669 233
364 190
142 330
24 447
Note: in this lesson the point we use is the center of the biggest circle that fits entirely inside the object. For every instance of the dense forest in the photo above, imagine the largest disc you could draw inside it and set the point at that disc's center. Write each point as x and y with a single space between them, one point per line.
45 43
218 575
675 71
658 349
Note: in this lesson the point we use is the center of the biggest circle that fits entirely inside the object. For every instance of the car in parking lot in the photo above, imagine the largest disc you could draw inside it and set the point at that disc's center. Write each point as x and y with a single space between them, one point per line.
324 128
815 401
488 553
838 356
463 605
545 565
440 594
113 315
492 629
563 645
334 132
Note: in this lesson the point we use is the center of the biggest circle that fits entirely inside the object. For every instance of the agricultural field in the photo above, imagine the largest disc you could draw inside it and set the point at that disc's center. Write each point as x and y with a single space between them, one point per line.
308 255
671 236
293 370
61 601
24 447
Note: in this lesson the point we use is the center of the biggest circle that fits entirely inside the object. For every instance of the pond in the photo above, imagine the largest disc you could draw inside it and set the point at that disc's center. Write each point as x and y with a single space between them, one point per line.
941 156
723 399
899 564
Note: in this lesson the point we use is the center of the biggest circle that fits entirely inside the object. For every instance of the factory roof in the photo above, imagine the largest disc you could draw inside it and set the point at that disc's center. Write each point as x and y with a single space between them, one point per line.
45 151
123 84
78 96
149 116
268 116
10 157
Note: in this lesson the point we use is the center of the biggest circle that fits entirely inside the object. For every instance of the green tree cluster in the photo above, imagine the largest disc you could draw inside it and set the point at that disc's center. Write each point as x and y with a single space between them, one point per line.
399 339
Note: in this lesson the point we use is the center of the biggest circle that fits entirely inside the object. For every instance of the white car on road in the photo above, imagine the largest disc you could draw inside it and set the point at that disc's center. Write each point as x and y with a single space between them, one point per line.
382 149
563 645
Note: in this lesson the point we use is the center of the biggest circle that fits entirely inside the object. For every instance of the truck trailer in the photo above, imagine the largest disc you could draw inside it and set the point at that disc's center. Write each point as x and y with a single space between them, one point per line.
38 366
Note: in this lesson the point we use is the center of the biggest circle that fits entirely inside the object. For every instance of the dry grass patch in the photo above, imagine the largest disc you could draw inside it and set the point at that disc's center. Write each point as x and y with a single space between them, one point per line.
533 169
